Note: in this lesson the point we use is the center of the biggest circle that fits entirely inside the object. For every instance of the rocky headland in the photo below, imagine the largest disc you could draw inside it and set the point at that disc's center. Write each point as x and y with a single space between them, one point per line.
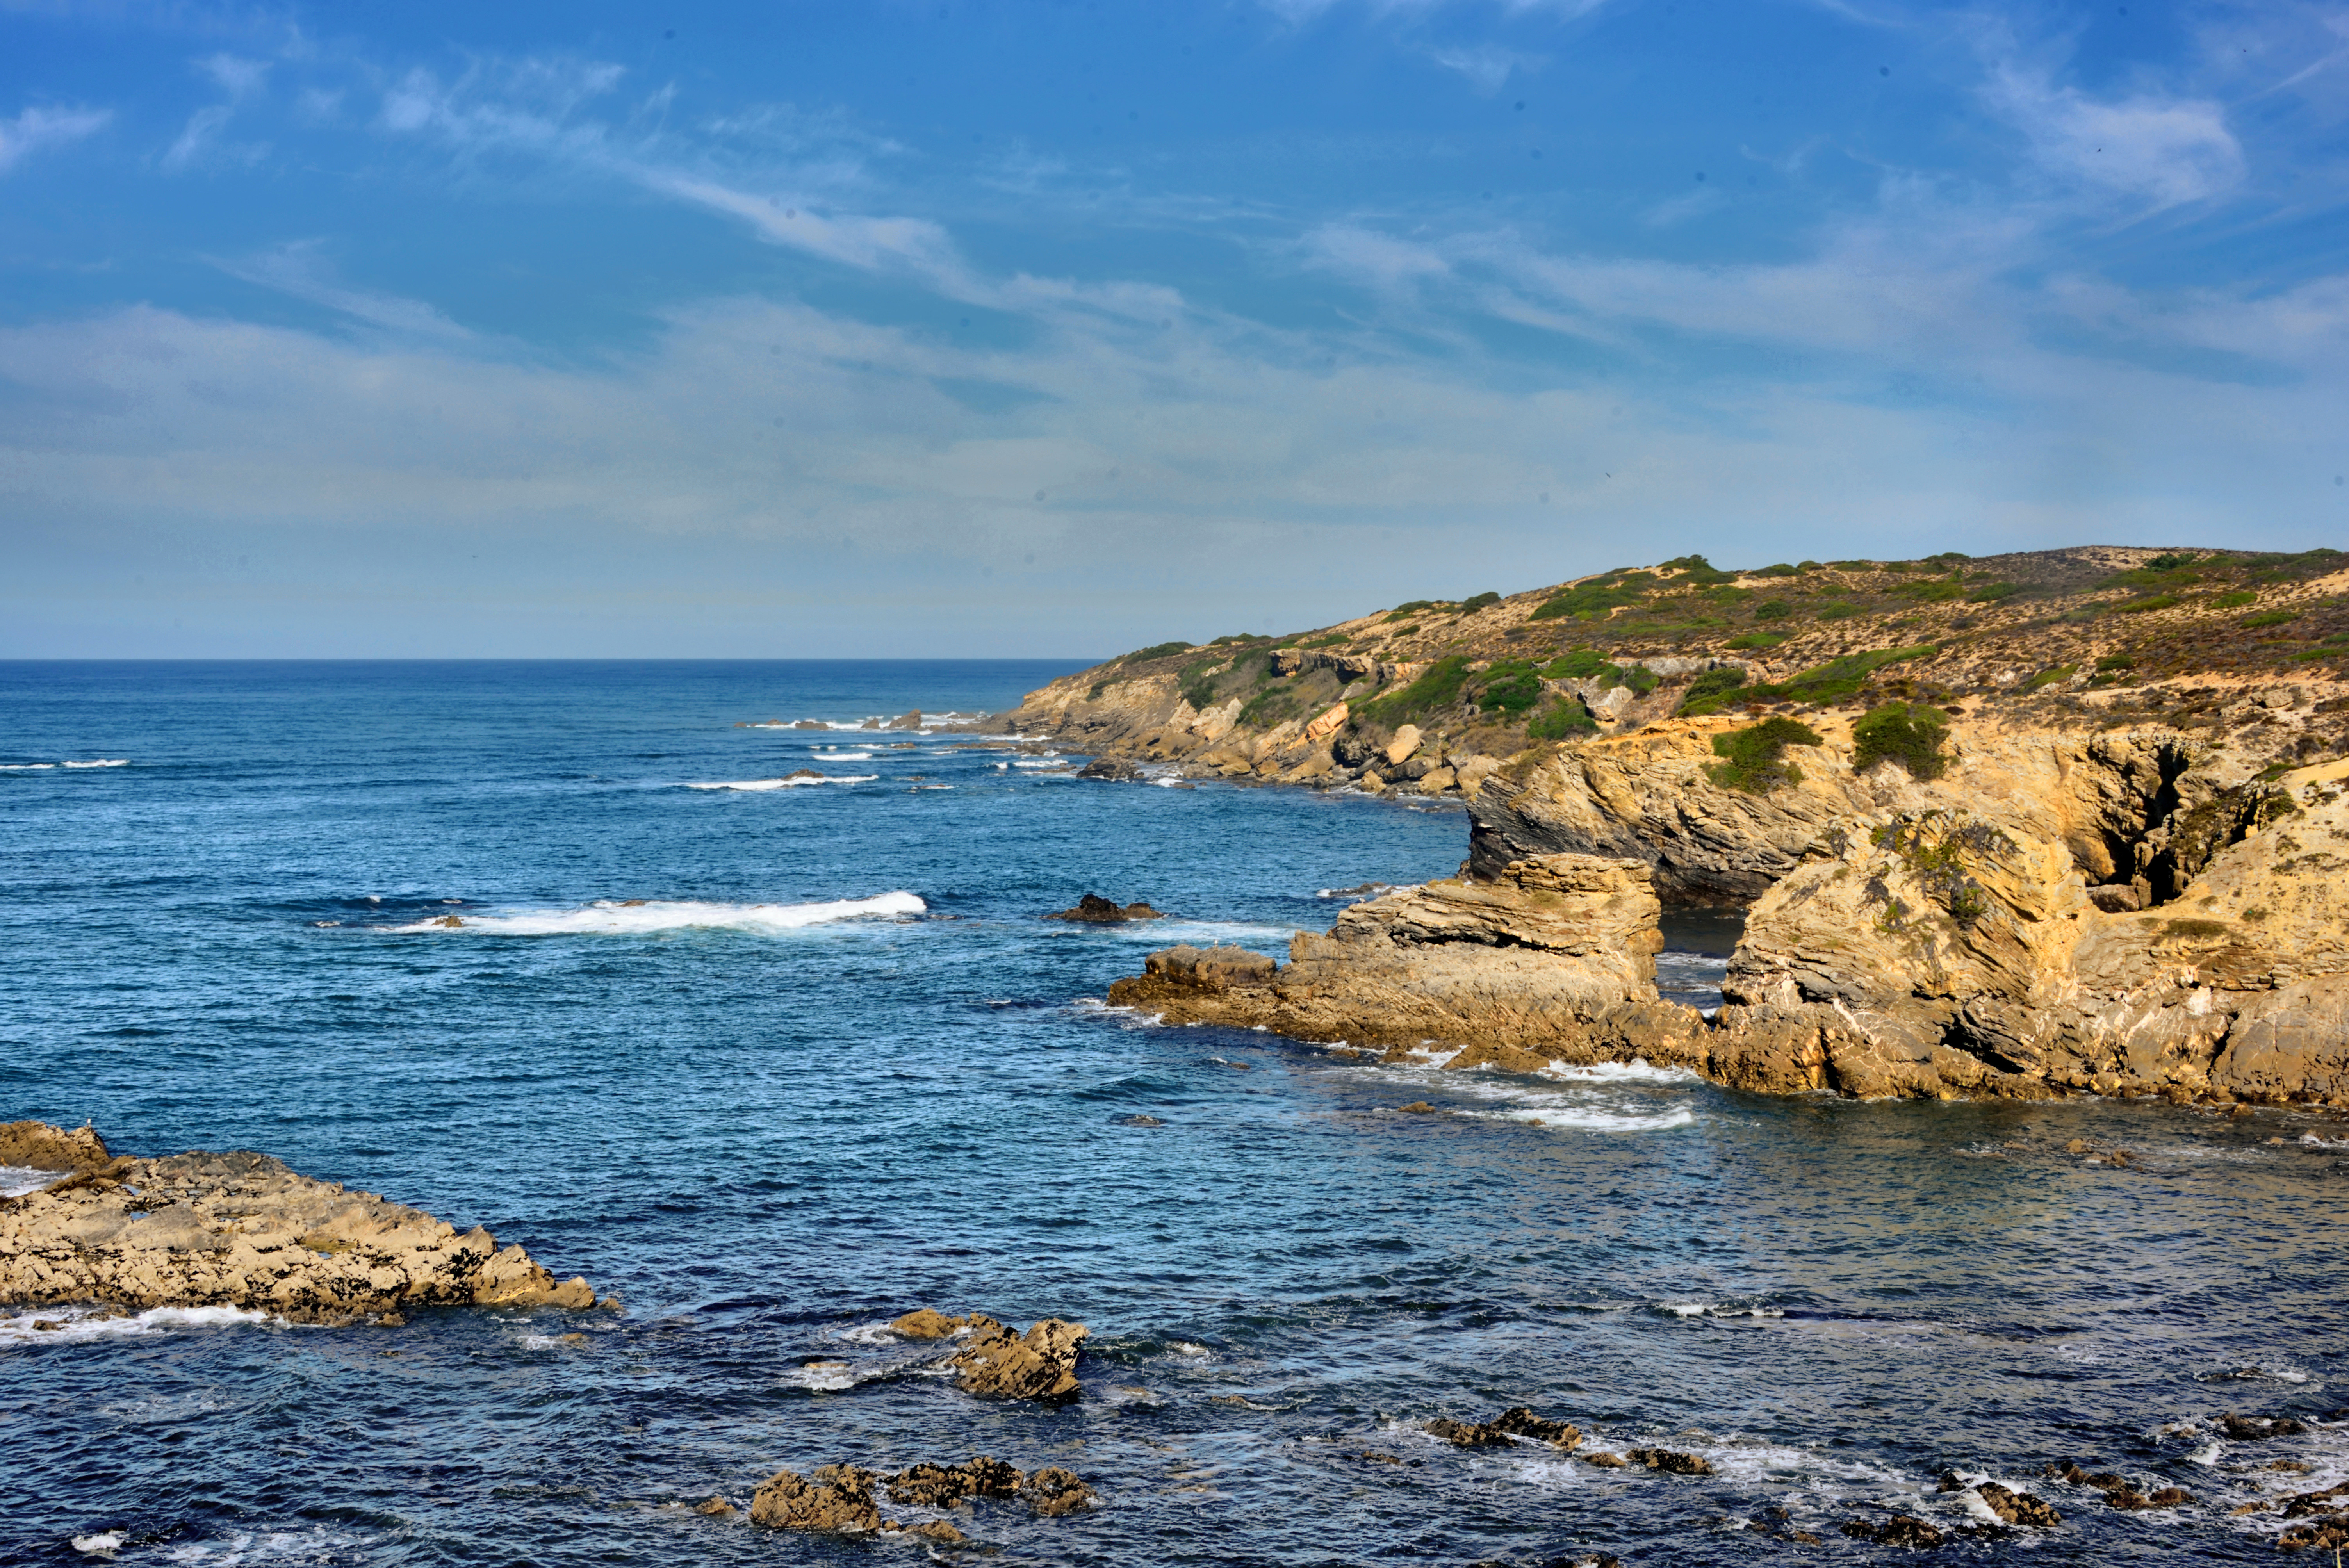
239 1230
2066 822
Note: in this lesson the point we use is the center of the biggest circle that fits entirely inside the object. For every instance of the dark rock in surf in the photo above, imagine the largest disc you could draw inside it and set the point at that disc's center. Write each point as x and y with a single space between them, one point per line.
2254 1428
943 1486
1505 1428
1053 1491
1094 910
1670 1463
2017 1507
1038 1365
1116 769
1900 1530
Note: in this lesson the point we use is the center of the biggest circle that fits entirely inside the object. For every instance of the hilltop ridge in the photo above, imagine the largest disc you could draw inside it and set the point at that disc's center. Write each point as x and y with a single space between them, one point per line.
1429 696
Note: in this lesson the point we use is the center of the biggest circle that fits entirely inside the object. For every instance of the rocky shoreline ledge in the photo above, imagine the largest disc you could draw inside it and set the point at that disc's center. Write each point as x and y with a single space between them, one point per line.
239 1230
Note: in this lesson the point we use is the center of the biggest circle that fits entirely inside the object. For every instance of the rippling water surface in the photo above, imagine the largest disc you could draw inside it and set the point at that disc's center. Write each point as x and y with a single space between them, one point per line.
835 1067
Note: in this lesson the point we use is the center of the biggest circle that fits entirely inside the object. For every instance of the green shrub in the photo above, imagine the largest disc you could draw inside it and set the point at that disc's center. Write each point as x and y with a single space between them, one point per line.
2139 606
1946 556
1405 611
1712 691
1837 611
1773 610
1991 592
1588 598
2269 618
1806 566
1439 686
1478 602
1510 685
2045 679
2234 600
1330 641
1407 631
1756 640
1562 720
1840 679
1906 733
1781 570
1696 569
1155 650
2112 662
1754 759
1931 592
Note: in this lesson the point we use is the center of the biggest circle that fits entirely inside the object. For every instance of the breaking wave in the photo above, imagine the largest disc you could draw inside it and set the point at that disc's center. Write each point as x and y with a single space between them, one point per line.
790 783
631 916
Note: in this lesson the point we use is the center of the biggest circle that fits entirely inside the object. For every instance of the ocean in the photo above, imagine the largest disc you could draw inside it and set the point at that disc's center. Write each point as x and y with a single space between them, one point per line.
835 1066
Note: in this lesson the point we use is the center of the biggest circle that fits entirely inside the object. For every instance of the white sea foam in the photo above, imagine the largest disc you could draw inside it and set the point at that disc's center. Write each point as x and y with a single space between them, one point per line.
822 755
17 1180
759 784
259 1547
49 767
103 762
823 1377
611 917
105 1543
80 1324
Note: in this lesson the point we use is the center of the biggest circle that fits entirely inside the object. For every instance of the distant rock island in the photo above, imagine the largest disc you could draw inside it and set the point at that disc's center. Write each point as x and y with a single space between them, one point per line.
2065 821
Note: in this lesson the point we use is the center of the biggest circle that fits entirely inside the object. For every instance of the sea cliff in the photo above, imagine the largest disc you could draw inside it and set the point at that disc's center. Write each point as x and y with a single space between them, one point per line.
2046 824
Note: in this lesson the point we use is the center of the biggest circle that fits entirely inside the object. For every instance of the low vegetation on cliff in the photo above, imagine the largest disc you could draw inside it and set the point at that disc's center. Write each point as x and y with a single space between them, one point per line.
2101 637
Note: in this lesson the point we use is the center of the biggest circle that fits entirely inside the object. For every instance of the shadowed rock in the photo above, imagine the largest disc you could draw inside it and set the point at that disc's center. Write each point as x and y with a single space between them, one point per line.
38 1146
1094 910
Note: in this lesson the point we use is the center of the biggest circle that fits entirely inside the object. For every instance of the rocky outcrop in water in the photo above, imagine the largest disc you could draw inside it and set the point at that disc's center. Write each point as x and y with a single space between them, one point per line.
839 1498
1554 960
1038 1365
241 1229
1505 1429
1094 910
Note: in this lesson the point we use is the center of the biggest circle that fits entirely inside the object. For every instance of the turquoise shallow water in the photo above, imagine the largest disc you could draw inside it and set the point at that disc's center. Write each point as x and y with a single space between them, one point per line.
770 1133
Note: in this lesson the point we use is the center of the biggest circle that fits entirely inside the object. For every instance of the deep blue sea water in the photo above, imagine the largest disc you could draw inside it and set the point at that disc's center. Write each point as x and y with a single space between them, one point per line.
770 1133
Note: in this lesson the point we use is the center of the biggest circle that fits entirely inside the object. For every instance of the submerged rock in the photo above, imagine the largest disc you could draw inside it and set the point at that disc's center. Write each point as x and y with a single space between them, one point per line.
943 1486
1094 910
2252 1428
241 1229
1116 769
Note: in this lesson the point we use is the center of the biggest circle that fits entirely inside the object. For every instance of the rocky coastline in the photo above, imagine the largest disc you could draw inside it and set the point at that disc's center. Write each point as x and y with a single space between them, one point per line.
241 1230
1958 878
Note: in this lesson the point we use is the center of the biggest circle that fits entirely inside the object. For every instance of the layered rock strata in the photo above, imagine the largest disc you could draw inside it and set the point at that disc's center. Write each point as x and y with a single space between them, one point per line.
1554 960
241 1230
2111 914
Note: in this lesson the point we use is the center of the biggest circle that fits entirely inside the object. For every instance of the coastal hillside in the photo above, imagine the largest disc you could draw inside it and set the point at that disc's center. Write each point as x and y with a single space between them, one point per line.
1432 696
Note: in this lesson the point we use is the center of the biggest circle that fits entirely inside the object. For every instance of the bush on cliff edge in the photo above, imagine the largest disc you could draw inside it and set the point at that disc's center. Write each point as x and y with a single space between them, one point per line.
1755 761
1909 734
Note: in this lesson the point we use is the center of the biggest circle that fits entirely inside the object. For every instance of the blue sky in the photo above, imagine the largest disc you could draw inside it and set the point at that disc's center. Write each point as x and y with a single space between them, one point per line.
1059 328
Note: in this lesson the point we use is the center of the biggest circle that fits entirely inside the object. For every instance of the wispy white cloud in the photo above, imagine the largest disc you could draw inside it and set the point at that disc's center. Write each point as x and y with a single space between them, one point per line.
2162 149
37 129
1487 67
299 269
199 140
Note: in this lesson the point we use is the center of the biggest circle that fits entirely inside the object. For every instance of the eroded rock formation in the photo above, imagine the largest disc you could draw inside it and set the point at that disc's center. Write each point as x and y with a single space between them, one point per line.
2114 914
241 1229
1554 960
839 1498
